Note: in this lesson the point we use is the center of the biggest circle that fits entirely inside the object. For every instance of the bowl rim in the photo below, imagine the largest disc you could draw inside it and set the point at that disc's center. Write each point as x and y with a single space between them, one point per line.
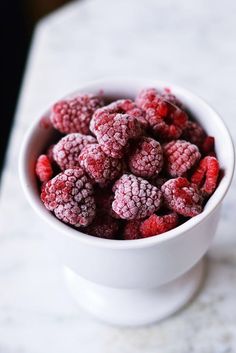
46 215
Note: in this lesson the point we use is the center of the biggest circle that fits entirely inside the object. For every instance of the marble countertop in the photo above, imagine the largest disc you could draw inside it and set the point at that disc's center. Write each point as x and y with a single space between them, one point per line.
189 43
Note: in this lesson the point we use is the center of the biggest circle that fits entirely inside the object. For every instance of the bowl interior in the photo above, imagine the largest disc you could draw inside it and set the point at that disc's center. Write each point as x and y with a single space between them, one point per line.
41 134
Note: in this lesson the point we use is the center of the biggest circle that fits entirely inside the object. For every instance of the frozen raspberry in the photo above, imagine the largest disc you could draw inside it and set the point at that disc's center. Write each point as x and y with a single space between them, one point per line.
182 197
208 146
166 120
103 226
180 156
122 106
155 225
147 158
43 168
100 167
66 151
74 115
206 175
193 133
70 196
171 98
135 198
113 132
131 230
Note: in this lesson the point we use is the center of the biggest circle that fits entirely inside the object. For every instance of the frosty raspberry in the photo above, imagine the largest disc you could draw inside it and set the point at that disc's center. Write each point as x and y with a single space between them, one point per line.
206 174
155 225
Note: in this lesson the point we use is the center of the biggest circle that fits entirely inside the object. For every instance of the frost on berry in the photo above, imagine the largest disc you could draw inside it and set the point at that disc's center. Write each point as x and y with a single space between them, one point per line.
113 132
135 198
70 196
100 167
165 119
193 133
146 160
182 197
43 168
66 152
206 175
103 226
122 106
180 156
131 230
74 115
155 225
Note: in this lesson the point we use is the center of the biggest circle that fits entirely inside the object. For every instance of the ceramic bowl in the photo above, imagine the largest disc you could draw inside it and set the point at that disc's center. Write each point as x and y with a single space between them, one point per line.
132 282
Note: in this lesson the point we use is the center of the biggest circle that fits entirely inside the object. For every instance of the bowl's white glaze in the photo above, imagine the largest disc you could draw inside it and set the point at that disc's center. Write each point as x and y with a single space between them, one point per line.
143 263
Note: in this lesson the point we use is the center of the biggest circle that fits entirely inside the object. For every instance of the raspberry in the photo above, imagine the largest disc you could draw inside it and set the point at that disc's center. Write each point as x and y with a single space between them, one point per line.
135 198
122 106
147 158
155 225
66 151
194 133
43 168
166 120
113 131
182 197
103 226
206 175
74 115
180 156
208 145
70 196
100 167
131 230
171 98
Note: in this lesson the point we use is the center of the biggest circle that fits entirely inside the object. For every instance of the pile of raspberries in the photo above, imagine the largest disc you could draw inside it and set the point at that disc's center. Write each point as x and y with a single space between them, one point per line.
128 169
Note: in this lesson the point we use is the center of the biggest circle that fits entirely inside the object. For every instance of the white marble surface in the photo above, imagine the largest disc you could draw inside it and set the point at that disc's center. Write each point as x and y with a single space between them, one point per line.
189 42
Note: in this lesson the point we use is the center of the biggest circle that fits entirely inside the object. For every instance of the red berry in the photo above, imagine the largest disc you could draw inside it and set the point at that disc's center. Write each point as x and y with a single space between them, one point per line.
43 168
208 145
103 226
206 175
100 167
113 132
193 133
66 152
155 225
122 106
180 156
147 158
166 120
182 197
131 230
70 196
135 198
171 98
74 115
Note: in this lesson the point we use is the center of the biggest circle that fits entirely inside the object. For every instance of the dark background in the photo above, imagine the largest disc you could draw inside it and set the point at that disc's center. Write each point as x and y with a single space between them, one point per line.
18 18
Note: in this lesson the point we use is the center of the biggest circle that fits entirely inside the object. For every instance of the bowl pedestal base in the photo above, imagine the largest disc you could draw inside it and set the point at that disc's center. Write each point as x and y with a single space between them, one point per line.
135 307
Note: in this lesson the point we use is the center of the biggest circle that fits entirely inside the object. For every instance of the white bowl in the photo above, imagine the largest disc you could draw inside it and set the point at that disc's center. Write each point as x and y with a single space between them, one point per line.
133 282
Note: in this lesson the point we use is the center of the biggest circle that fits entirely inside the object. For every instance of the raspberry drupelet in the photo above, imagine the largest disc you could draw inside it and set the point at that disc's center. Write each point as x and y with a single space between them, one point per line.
121 106
155 225
66 152
166 120
103 226
182 197
74 115
180 156
146 160
43 168
113 132
70 196
206 175
135 198
100 167
131 230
